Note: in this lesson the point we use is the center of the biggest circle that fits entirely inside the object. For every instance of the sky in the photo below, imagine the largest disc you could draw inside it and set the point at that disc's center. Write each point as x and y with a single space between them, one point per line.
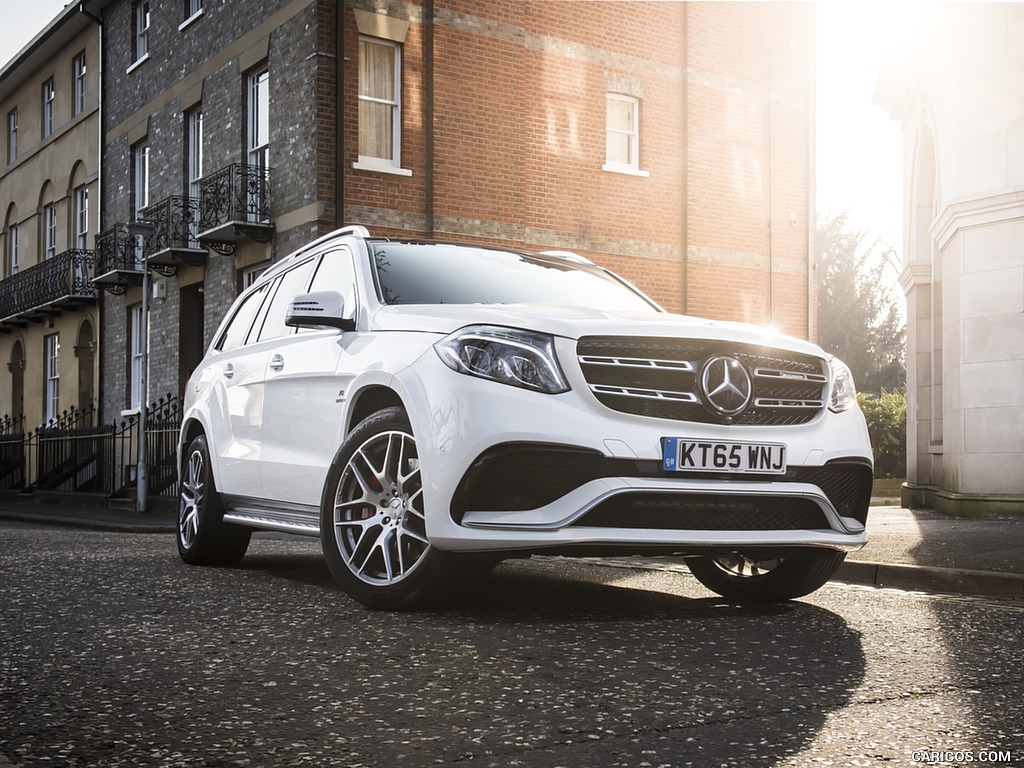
858 147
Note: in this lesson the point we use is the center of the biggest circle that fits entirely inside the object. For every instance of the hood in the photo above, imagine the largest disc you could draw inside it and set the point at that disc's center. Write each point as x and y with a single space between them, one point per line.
573 322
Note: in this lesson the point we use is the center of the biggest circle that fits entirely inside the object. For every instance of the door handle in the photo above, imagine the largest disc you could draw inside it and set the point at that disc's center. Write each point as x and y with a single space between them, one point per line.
276 363
229 371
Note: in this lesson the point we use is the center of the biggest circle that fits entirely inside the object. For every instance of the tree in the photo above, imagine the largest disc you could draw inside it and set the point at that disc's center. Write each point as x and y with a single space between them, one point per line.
859 317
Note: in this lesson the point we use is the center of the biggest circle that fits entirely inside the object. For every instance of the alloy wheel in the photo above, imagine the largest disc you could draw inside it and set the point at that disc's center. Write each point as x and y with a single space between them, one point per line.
379 524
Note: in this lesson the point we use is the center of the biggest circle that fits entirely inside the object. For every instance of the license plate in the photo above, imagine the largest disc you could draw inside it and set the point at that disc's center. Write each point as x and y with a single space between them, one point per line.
681 454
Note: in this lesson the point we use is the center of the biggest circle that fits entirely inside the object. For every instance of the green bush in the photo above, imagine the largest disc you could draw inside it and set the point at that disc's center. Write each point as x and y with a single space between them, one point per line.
886 415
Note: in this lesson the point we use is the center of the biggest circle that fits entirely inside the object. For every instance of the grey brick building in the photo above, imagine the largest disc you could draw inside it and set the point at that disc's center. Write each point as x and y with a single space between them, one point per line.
210 134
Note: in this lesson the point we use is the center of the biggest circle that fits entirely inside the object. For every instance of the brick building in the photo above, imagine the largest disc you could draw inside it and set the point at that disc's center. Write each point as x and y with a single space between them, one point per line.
49 172
671 142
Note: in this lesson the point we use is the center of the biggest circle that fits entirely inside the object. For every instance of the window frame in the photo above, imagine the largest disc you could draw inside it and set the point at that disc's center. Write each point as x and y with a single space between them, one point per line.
12 136
141 24
49 231
140 156
13 248
631 165
80 197
370 162
136 355
193 10
51 377
79 72
47 113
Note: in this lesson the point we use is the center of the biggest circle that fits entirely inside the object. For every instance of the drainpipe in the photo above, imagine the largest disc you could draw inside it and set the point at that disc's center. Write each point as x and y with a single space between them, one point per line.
684 172
339 119
428 117
812 214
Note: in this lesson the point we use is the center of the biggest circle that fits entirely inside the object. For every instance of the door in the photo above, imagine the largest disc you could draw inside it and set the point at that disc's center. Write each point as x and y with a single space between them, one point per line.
306 384
237 371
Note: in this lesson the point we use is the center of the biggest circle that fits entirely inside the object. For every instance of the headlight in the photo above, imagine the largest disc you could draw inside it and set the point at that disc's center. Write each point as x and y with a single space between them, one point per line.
505 355
844 393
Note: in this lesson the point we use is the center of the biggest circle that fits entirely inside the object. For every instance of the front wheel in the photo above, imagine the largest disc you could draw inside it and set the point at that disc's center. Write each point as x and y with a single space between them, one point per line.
738 577
203 536
373 529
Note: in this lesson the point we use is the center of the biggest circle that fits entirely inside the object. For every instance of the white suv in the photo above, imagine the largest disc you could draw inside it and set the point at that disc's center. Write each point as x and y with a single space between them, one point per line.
428 409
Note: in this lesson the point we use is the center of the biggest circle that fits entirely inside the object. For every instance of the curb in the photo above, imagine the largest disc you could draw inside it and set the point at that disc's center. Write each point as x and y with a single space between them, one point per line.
928 578
91 524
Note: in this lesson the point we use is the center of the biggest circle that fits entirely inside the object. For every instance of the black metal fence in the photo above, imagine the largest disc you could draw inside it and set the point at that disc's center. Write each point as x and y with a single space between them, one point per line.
75 454
12 453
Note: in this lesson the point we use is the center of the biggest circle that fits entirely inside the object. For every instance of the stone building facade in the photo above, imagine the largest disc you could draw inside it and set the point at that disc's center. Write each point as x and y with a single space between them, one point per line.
49 204
957 95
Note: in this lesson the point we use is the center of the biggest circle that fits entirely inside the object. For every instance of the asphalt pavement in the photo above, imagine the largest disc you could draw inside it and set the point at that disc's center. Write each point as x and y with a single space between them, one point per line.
916 549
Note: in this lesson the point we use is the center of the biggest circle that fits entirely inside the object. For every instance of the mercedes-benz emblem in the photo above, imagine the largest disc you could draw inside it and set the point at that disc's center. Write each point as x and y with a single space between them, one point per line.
726 385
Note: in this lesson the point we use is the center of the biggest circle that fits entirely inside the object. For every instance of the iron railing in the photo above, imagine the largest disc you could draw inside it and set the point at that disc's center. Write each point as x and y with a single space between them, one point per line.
237 194
69 452
175 221
12 452
116 251
73 454
63 277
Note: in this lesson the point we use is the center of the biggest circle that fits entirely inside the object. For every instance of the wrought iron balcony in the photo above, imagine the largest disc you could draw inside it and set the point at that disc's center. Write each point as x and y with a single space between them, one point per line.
58 283
173 241
118 259
234 203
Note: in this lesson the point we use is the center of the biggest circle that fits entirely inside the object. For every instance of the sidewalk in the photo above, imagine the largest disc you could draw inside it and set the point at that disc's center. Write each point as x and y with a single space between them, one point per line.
907 549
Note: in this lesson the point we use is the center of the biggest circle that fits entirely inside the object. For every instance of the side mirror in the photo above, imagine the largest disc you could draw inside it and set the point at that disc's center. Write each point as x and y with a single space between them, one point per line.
321 309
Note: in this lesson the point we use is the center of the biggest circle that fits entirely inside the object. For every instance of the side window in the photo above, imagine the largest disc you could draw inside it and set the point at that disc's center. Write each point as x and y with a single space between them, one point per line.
334 273
291 283
234 335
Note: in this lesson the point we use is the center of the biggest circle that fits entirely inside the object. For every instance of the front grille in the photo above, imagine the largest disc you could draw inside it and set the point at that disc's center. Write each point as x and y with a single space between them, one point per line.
705 512
659 378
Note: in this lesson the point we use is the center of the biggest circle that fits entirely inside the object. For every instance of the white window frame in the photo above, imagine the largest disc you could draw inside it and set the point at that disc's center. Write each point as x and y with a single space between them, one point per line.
140 177
194 126
49 230
631 164
194 9
14 245
81 202
391 164
136 356
12 136
258 135
258 141
49 96
51 383
140 29
78 67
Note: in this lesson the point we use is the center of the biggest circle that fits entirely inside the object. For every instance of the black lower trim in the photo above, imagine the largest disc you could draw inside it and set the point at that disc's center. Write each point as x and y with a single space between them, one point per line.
518 476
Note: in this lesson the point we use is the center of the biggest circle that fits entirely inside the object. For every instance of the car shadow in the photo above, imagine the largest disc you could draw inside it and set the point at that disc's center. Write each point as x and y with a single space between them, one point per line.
591 662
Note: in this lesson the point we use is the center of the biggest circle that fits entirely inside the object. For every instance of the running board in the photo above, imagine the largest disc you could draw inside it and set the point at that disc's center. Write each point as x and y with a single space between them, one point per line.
273 516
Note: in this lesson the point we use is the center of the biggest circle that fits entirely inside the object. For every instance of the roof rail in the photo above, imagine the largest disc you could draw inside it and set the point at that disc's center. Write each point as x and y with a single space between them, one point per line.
354 229
569 256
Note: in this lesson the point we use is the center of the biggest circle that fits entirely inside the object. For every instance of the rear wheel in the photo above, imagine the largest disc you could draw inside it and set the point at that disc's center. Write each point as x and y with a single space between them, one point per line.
373 528
738 577
203 536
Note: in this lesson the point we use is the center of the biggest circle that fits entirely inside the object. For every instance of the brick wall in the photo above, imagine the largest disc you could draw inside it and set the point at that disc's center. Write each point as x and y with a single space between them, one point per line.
510 100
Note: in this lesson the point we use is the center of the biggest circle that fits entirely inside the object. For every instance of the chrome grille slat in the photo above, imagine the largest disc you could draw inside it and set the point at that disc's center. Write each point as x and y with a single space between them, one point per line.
631 362
649 394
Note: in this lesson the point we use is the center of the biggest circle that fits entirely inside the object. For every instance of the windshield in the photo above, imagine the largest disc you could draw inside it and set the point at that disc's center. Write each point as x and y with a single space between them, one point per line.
423 273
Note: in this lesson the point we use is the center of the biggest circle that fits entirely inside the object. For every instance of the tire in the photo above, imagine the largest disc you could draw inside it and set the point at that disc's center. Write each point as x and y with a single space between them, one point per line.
372 524
203 536
744 579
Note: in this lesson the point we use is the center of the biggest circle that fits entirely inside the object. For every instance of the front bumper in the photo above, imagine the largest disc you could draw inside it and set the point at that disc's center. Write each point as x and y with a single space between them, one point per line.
511 470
